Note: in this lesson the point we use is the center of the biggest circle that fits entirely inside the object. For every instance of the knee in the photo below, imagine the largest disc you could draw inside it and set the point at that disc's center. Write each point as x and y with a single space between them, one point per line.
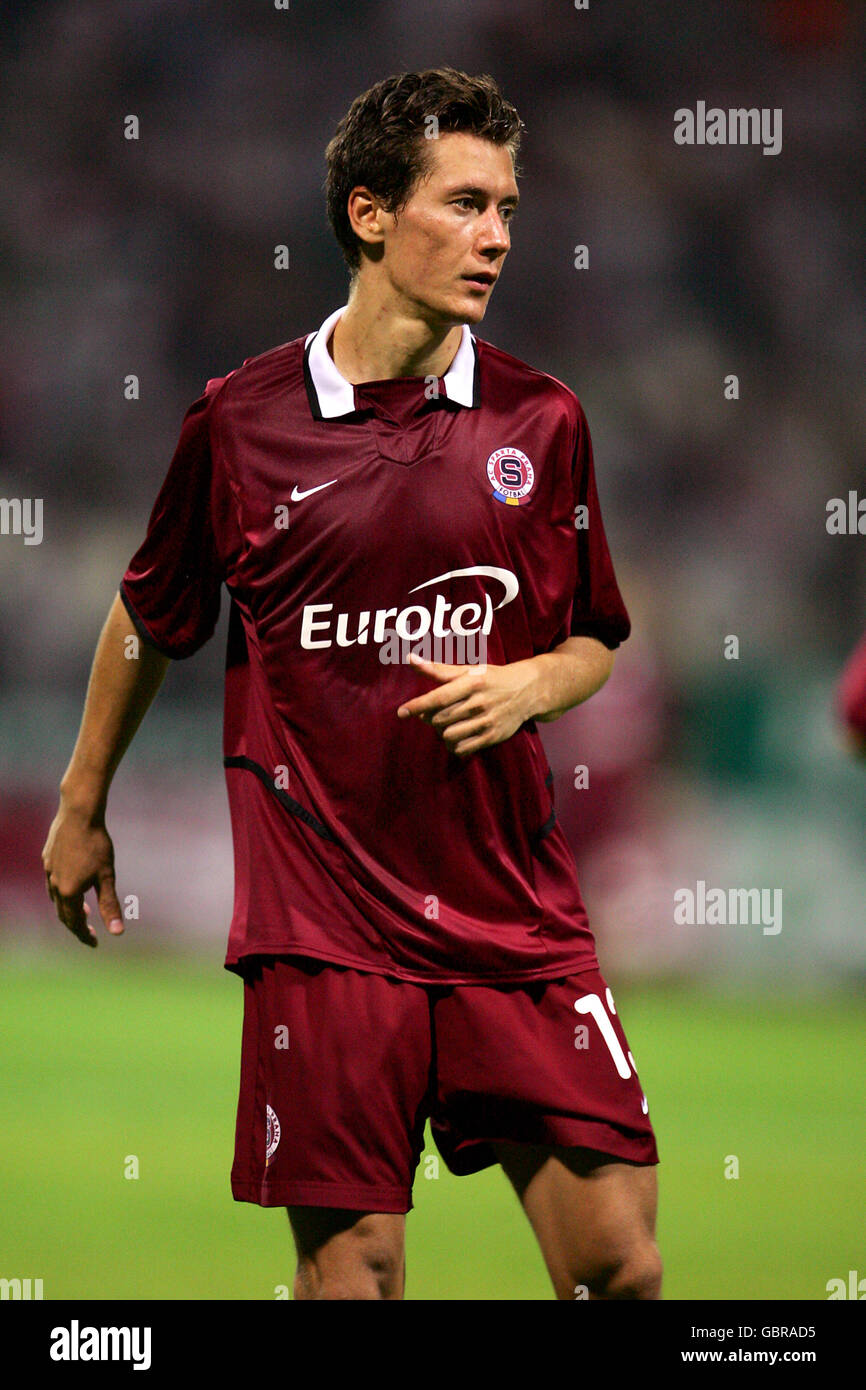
365 1264
637 1275
367 1279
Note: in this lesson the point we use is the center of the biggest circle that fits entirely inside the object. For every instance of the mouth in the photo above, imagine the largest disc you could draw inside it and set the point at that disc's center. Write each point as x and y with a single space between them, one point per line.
482 280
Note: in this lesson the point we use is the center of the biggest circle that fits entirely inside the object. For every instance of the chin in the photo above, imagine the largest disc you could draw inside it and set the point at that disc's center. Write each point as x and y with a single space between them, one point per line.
476 312
452 307
469 308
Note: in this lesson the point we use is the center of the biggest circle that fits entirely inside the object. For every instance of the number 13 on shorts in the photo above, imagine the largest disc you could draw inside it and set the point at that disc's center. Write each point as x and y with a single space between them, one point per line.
592 1004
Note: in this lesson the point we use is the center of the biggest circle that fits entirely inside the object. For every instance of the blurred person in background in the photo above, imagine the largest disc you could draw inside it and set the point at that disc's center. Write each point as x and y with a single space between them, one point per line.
851 700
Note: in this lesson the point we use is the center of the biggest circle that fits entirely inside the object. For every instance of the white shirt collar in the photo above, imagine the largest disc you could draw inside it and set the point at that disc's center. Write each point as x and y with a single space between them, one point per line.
332 395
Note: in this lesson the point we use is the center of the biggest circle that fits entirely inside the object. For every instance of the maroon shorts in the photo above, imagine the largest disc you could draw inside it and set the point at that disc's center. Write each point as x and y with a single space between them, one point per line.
340 1071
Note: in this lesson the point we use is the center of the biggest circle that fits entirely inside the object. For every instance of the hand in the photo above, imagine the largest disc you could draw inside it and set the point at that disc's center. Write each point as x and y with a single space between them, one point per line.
474 706
79 855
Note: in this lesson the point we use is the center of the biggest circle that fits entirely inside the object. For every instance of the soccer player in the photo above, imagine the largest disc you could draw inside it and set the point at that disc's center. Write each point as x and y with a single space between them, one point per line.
407 921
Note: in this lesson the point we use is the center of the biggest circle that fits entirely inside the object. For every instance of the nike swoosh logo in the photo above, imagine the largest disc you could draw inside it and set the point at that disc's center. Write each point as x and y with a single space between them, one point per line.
298 496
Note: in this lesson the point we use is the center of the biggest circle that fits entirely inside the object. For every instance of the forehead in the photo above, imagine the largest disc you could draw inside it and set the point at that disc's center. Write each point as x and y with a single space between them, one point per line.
458 157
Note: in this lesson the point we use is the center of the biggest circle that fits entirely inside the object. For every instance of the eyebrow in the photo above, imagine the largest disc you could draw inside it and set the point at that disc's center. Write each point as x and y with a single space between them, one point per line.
472 189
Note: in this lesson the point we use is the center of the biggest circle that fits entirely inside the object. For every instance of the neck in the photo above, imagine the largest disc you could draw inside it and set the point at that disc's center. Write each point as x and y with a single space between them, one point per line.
382 336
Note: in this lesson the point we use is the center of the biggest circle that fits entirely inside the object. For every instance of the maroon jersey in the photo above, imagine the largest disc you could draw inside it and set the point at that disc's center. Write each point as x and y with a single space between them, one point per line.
342 518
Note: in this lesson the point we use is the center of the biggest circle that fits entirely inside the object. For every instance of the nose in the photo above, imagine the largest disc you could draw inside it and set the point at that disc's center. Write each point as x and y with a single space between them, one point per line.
493 232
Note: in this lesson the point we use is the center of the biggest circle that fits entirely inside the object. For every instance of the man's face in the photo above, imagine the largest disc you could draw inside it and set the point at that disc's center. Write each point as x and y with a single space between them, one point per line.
455 226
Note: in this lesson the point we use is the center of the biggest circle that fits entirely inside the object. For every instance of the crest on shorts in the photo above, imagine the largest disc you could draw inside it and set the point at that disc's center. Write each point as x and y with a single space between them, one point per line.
272 1137
511 475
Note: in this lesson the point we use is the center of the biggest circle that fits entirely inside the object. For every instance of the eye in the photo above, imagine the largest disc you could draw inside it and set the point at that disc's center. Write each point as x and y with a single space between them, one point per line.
465 202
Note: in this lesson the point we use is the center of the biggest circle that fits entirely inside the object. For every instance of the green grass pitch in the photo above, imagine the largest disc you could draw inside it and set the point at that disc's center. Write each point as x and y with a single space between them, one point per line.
112 1054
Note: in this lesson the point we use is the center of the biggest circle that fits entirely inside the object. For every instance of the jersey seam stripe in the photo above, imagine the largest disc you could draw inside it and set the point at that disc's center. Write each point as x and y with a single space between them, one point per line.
545 829
288 802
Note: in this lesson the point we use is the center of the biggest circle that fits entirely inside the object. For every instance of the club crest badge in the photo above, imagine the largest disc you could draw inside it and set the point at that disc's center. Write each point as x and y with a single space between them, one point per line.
511 476
272 1137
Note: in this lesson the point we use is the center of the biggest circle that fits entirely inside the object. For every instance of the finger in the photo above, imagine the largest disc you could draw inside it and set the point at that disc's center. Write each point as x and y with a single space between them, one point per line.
474 731
467 747
440 669
433 700
70 910
62 901
109 907
461 711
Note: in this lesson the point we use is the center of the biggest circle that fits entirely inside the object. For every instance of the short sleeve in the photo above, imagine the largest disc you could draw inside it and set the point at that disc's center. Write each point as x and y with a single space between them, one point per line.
171 587
598 609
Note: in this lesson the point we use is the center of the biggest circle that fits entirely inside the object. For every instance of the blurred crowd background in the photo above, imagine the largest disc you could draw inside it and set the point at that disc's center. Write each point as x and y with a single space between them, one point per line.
155 257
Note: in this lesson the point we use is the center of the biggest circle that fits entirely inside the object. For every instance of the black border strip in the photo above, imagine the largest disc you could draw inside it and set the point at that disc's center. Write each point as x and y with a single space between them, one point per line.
476 376
140 627
312 393
289 802
545 829
591 629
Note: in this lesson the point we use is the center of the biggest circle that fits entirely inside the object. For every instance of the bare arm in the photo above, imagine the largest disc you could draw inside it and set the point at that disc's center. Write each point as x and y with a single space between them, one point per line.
78 853
568 675
476 707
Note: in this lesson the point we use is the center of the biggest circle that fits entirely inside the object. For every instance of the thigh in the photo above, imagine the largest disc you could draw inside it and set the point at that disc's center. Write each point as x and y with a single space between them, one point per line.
334 1079
592 1215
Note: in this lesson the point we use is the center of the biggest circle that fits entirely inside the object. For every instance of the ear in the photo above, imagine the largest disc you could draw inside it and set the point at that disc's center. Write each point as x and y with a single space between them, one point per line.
367 216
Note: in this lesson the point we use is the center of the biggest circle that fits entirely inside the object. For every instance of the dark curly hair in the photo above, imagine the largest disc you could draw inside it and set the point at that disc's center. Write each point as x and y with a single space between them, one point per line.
380 142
